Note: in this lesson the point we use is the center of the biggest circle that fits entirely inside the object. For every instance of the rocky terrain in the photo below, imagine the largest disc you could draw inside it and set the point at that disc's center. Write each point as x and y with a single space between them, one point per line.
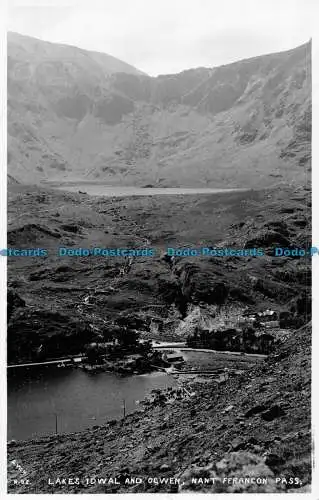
75 115
255 424
64 302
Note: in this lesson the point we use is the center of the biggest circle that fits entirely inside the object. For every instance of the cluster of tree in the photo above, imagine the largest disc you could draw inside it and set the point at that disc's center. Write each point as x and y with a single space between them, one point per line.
117 340
36 335
231 340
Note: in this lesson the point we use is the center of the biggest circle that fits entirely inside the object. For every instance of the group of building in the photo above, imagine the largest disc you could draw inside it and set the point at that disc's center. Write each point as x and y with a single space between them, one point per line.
252 332
266 319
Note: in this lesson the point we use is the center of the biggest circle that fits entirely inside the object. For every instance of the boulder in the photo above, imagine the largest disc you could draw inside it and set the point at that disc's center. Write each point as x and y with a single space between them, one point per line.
274 412
234 466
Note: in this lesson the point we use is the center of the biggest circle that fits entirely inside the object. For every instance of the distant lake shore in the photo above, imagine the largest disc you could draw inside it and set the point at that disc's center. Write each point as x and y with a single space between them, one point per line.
100 189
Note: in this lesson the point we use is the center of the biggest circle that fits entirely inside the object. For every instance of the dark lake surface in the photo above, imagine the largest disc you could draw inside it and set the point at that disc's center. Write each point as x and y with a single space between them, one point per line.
79 399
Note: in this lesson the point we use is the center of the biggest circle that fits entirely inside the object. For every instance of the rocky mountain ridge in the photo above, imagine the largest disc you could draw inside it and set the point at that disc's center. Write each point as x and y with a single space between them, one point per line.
76 115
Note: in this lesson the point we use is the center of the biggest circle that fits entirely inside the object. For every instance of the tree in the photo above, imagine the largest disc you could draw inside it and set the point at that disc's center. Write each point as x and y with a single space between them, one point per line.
145 348
249 338
94 354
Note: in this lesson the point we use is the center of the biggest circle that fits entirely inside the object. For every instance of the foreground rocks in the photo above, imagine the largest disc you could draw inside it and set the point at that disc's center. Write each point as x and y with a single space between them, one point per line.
235 473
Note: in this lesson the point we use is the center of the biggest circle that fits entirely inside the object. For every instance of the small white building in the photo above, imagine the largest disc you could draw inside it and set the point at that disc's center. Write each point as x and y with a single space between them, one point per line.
77 360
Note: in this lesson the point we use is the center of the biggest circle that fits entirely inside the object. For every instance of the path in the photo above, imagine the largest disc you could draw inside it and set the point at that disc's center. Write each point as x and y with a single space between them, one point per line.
42 363
181 346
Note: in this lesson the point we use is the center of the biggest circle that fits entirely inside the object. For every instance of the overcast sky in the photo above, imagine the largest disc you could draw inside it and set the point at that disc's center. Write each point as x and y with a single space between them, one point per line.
168 36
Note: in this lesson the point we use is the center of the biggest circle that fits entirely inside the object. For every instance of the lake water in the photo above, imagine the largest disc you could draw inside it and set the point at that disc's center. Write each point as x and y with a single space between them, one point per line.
80 400
119 191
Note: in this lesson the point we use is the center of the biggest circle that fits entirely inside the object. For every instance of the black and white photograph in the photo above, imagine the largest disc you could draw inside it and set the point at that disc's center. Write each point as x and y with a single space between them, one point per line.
159 246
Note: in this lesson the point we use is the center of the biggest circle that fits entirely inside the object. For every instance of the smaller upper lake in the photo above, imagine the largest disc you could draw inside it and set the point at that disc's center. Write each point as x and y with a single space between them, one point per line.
119 191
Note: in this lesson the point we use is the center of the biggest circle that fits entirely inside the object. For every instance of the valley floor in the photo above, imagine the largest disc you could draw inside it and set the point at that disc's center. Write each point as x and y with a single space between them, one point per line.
255 424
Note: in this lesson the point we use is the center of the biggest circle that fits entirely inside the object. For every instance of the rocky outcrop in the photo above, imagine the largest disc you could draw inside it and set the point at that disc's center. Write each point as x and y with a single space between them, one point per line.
36 334
154 130
27 233
237 472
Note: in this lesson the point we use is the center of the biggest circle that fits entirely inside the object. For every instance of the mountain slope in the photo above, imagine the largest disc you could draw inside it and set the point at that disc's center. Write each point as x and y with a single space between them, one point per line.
74 115
37 59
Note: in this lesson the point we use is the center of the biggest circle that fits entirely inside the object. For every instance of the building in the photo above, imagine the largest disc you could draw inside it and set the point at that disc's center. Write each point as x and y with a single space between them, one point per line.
270 324
243 321
174 359
77 360
268 315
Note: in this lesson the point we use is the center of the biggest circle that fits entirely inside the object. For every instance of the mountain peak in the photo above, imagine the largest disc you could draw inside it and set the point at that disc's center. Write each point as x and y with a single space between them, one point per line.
38 49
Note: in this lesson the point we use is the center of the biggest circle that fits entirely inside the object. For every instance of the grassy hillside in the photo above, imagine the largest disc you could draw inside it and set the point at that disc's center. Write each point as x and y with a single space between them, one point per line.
54 287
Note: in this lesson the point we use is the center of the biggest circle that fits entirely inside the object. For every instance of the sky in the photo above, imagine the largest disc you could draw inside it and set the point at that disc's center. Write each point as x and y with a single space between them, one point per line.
169 36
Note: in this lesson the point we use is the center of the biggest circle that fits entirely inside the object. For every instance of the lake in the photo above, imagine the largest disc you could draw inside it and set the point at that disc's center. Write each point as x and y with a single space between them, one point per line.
79 399
119 191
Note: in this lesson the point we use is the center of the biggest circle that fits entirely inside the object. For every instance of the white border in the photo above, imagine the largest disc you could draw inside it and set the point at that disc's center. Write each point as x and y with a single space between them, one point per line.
315 262
3 242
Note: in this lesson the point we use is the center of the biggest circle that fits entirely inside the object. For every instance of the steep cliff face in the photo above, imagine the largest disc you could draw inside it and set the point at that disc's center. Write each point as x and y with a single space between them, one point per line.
196 318
74 114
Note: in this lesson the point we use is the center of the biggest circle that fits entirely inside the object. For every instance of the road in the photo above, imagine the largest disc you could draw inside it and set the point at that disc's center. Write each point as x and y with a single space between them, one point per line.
162 346
43 363
181 346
